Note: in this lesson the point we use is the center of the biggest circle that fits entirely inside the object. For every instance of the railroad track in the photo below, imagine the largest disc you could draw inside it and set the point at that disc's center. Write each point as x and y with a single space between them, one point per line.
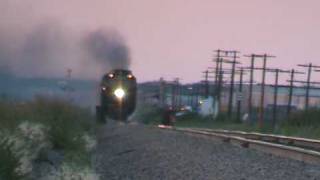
301 149
310 144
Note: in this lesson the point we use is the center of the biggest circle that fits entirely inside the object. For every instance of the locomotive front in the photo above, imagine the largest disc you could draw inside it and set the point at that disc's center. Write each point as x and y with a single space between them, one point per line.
118 90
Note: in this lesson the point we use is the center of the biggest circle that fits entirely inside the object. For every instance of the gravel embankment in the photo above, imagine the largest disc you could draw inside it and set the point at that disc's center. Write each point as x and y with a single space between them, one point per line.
139 152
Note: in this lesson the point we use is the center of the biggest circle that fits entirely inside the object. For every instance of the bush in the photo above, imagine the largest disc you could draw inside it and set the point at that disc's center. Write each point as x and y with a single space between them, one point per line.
9 162
148 114
304 118
301 123
41 124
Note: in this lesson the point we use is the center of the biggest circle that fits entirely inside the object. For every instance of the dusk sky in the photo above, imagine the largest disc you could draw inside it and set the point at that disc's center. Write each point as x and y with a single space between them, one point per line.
176 38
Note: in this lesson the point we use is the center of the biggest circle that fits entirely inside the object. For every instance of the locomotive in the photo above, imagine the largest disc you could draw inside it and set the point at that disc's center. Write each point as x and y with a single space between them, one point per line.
118 91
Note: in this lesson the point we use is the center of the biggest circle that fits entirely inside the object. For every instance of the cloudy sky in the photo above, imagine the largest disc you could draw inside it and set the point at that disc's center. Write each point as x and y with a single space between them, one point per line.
174 38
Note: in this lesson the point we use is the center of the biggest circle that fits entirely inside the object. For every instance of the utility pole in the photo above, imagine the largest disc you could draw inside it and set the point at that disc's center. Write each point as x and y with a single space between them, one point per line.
239 99
162 92
263 83
175 93
178 93
289 107
261 115
308 88
220 86
233 62
310 67
222 57
218 60
219 89
66 85
206 83
173 96
275 99
198 92
252 56
190 95
275 94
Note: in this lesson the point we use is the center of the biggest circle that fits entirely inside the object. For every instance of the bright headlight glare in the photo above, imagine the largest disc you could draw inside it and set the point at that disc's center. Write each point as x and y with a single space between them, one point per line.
119 93
130 76
111 75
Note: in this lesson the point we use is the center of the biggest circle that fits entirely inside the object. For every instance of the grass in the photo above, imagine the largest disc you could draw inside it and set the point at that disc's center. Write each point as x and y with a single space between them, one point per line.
8 162
29 129
301 123
148 114
196 121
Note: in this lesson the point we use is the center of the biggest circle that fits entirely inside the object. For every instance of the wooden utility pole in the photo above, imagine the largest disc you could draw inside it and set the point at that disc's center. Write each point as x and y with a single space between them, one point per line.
261 114
291 81
308 88
206 83
173 96
239 99
198 92
162 92
175 93
250 87
222 57
218 61
275 94
264 57
190 95
233 62
178 93
310 67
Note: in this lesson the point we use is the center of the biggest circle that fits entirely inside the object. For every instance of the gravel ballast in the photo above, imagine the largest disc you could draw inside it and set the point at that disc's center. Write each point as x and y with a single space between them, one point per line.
135 151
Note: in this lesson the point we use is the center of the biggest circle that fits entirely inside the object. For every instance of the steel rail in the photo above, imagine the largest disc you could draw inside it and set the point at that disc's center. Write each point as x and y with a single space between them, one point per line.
311 144
270 147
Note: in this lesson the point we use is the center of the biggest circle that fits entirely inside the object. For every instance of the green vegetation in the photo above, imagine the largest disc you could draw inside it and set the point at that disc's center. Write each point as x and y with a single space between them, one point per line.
8 161
148 114
31 130
221 122
300 123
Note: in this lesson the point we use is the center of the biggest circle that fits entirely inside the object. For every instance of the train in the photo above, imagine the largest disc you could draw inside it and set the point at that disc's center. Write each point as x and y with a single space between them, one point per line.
118 91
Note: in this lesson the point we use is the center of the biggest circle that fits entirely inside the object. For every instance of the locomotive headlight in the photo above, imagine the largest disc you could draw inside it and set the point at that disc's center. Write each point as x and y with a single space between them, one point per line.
111 75
119 93
129 76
